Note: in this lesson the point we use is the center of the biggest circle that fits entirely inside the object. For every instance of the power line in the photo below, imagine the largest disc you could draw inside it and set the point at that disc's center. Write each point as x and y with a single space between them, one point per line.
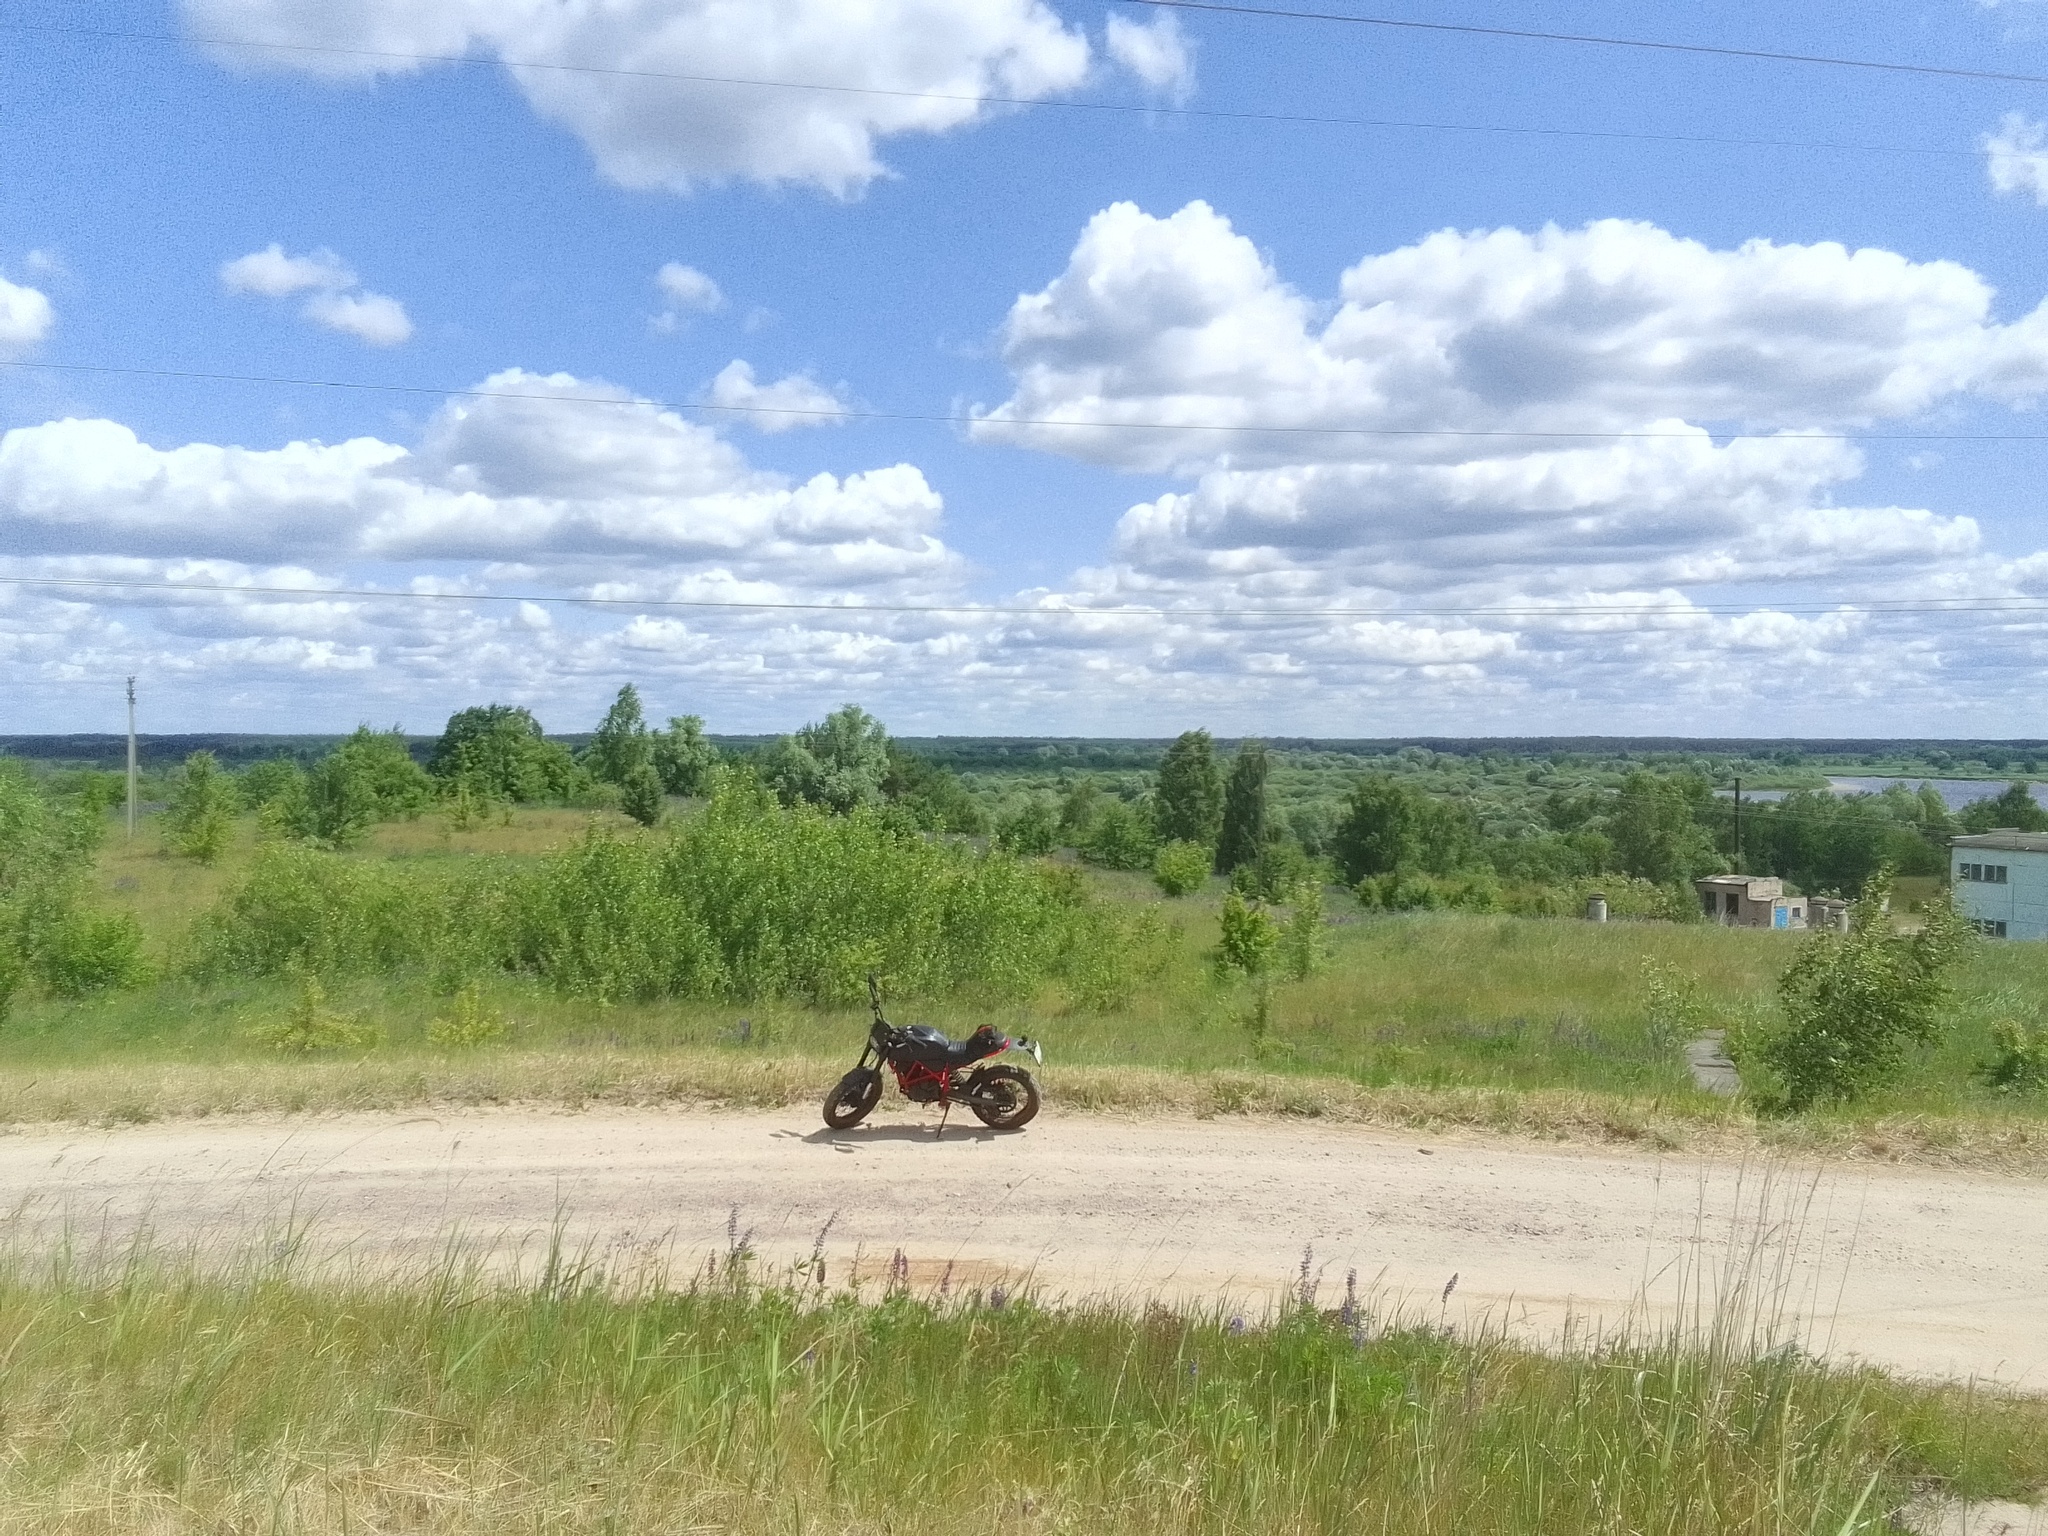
1401 23
1877 608
1066 104
1064 423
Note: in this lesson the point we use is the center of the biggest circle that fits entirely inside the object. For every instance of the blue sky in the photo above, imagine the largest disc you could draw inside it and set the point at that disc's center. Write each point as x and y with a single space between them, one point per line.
330 209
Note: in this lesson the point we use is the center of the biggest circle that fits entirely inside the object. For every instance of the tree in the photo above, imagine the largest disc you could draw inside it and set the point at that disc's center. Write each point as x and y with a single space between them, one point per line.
1377 833
500 751
840 762
1243 830
1187 803
370 777
928 795
683 758
1654 824
1389 827
201 817
1854 1002
621 742
641 796
2016 808
1077 810
1033 828
384 763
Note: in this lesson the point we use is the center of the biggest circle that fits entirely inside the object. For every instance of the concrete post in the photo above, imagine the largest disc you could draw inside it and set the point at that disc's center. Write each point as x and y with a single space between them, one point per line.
1596 908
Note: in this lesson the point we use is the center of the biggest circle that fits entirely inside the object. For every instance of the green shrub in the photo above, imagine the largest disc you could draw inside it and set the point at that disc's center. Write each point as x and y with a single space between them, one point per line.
1405 890
468 1023
747 899
1674 1011
1281 866
2019 1062
1031 829
1181 867
13 969
1250 938
1855 1002
89 952
1119 836
46 931
1302 947
311 1026
300 908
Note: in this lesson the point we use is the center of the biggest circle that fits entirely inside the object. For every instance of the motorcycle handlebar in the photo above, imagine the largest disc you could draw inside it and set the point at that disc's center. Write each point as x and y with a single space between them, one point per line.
875 994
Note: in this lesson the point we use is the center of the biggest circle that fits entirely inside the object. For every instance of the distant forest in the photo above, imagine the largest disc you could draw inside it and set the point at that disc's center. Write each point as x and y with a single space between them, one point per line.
1764 761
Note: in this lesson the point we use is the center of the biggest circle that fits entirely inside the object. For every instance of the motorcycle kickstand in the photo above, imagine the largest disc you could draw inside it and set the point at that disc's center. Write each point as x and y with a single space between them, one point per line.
945 1109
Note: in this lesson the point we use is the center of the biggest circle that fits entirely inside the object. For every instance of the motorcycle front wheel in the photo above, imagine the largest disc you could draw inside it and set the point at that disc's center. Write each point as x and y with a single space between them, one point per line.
1004 1097
852 1098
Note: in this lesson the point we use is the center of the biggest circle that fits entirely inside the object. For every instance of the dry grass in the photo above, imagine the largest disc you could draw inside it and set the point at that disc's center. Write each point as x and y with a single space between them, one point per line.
145 1092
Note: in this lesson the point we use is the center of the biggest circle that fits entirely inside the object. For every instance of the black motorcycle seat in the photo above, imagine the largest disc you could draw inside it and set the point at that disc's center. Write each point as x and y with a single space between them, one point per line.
923 1043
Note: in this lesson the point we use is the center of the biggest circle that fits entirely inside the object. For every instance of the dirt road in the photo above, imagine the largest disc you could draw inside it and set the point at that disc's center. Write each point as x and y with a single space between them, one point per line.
1924 1271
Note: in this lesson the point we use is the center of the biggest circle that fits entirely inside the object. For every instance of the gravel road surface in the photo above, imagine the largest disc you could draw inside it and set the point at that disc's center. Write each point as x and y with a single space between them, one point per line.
1921 1270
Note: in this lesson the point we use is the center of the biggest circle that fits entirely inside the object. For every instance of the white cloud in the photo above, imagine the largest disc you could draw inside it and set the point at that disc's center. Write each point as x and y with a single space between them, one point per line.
2016 157
1159 54
26 317
548 471
371 318
274 275
687 292
797 400
337 302
1604 329
931 64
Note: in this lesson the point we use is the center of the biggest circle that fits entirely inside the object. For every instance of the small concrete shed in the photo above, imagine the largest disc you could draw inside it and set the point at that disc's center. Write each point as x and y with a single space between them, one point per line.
1750 901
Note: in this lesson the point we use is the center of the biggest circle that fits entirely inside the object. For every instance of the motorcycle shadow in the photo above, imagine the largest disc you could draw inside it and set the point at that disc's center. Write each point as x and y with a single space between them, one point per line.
858 1134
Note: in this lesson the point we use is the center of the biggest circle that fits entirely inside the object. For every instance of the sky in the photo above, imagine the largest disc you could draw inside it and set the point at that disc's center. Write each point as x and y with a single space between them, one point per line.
1031 367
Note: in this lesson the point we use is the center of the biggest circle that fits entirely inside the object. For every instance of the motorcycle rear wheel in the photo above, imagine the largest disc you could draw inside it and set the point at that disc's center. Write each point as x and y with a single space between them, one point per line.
1012 1096
853 1098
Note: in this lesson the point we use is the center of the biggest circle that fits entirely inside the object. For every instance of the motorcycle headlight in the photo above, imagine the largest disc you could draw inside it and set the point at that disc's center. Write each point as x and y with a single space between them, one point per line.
1032 1049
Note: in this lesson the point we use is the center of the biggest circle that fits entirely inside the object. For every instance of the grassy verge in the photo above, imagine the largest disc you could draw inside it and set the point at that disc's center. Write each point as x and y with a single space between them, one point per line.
168 1401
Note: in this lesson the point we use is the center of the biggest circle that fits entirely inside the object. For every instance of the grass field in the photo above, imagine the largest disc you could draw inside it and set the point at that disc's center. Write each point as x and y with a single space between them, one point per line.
151 1397
146 1394
1526 1023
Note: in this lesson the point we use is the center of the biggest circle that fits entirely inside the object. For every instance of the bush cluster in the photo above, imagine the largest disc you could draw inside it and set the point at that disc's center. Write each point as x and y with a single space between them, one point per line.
49 934
749 899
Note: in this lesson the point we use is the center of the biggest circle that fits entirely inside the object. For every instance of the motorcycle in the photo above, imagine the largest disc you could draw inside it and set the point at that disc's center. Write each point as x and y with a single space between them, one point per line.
929 1069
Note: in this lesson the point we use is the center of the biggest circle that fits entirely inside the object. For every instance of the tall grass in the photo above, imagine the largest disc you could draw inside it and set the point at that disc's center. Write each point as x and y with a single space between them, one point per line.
165 1399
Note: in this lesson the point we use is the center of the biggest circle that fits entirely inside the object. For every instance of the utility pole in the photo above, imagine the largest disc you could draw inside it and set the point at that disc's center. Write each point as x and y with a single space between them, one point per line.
131 757
1738 826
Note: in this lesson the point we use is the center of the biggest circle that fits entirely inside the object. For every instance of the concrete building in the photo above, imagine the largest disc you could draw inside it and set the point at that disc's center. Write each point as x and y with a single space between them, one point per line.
1750 901
2000 879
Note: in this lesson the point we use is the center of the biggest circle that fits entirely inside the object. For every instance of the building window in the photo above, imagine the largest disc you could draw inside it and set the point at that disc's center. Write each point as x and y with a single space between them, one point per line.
1991 928
1984 874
